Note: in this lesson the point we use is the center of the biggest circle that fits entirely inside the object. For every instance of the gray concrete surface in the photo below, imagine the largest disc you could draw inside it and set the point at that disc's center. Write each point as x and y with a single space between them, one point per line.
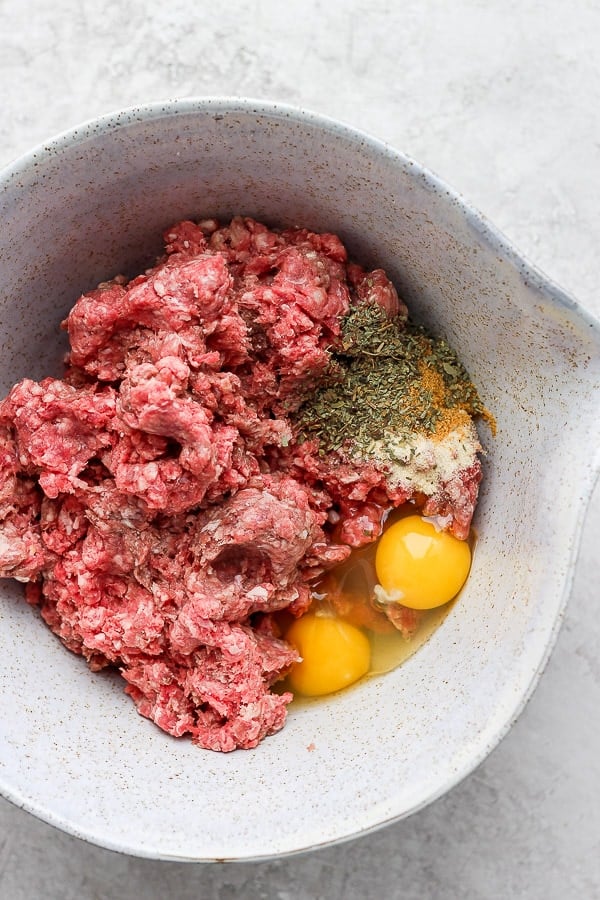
502 100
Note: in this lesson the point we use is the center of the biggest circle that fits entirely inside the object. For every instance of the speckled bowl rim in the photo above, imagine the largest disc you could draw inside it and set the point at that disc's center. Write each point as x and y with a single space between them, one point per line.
486 231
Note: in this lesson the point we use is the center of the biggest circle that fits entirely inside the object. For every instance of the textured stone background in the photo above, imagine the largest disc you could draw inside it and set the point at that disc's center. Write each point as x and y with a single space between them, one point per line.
502 99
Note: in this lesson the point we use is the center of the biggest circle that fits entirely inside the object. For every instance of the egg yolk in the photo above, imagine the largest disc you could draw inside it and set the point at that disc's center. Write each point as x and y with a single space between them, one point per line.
334 654
419 566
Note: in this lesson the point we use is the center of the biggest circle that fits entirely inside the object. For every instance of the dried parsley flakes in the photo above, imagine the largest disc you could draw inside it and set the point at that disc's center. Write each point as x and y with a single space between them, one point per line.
386 376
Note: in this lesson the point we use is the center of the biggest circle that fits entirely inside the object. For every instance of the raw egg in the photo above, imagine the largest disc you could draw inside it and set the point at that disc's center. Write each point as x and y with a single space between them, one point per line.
419 566
334 654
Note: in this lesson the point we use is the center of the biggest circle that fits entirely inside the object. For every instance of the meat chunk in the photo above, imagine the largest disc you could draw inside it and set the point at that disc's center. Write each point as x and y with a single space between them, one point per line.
456 499
58 429
221 694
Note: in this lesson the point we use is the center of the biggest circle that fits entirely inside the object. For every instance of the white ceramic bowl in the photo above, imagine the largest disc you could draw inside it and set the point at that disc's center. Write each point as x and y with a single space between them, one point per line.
93 202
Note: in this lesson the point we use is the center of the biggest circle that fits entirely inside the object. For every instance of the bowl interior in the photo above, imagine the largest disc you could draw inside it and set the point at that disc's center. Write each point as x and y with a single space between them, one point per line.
94 203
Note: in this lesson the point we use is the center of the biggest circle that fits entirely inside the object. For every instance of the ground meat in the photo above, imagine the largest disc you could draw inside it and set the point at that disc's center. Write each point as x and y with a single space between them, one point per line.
158 500
456 499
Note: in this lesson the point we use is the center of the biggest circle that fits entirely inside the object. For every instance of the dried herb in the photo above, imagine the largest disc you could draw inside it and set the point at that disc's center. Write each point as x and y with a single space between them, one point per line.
386 376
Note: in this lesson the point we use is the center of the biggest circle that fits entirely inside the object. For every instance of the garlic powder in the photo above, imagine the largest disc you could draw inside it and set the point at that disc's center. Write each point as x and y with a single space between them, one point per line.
421 463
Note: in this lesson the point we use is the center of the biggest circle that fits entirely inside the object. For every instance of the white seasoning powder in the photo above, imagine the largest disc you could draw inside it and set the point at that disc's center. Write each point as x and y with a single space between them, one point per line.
424 463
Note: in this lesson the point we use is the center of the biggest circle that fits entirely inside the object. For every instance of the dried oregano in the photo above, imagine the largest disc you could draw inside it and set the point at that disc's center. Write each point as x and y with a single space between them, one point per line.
386 375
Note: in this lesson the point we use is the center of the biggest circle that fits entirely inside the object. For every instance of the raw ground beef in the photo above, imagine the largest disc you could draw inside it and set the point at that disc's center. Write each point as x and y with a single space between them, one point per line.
155 500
